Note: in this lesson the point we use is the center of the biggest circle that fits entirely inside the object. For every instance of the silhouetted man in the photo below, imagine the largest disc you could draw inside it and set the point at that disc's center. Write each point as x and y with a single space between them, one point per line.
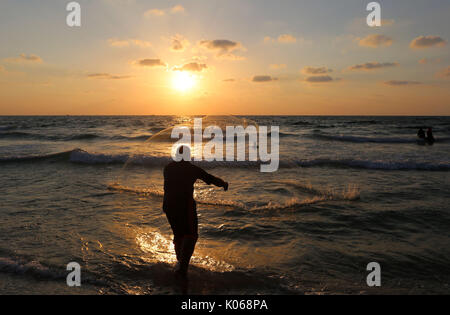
180 206
421 134
430 137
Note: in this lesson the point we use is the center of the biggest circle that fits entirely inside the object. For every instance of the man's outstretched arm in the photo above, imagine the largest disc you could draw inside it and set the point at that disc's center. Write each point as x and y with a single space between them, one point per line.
210 179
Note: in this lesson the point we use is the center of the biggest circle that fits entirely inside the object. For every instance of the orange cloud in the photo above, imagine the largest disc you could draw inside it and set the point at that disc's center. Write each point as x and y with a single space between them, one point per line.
177 9
128 42
401 83
179 43
224 48
425 61
154 12
24 58
162 12
375 41
277 66
445 73
283 39
107 76
373 66
387 22
263 78
316 70
150 63
319 79
427 42
192 67
287 39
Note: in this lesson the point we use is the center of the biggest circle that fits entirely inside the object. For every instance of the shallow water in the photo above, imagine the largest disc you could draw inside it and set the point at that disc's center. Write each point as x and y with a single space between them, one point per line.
349 191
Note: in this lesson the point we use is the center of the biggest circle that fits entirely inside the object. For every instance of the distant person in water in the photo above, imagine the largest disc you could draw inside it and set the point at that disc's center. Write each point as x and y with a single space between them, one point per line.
430 138
421 134
180 206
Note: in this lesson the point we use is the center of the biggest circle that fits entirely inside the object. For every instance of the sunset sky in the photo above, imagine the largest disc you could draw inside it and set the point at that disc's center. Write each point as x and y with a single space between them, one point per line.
225 57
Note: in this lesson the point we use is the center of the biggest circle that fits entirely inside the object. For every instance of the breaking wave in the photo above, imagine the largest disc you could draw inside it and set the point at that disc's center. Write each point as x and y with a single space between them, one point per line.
349 194
6 133
358 139
79 156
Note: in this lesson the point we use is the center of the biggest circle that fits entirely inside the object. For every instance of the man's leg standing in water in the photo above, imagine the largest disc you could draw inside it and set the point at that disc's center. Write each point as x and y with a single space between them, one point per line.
185 230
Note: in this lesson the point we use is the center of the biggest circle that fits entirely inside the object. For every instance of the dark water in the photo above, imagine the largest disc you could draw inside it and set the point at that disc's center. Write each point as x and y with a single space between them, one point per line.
349 191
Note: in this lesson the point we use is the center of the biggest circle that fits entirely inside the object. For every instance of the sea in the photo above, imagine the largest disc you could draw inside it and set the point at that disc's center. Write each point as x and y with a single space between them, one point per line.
349 191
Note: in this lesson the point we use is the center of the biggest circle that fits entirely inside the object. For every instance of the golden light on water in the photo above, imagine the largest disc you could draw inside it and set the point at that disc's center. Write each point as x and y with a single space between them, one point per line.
159 248
183 81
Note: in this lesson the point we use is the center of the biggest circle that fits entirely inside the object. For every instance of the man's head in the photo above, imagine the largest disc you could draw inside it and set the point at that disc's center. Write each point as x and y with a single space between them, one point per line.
183 153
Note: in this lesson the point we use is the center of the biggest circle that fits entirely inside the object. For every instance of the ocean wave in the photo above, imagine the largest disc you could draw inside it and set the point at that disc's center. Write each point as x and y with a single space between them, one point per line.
33 268
349 194
63 156
84 157
76 137
359 139
135 138
158 193
362 122
79 156
6 128
302 123
376 165
16 134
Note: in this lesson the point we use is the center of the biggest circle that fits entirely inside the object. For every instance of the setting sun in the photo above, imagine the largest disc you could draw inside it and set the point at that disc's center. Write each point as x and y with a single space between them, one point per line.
183 81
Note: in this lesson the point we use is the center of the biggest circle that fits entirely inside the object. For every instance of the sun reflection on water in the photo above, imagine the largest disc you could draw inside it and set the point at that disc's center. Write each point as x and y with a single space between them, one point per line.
161 249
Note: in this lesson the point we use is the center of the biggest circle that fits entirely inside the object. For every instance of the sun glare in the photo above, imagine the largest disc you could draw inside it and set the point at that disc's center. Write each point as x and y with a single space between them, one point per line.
183 81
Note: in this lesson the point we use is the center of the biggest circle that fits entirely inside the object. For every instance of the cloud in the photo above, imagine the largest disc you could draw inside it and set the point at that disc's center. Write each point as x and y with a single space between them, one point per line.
177 9
193 67
199 58
277 66
128 42
268 39
151 63
229 80
427 42
107 76
287 39
263 78
2 68
373 66
24 58
319 79
162 12
316 70
179 43
445 73
375 41
387 22
425 61
401 83
222 45
283 39
223 48
154 12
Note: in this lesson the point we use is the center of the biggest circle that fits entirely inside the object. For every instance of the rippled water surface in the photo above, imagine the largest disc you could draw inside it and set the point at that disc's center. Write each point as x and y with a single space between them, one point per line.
349 191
